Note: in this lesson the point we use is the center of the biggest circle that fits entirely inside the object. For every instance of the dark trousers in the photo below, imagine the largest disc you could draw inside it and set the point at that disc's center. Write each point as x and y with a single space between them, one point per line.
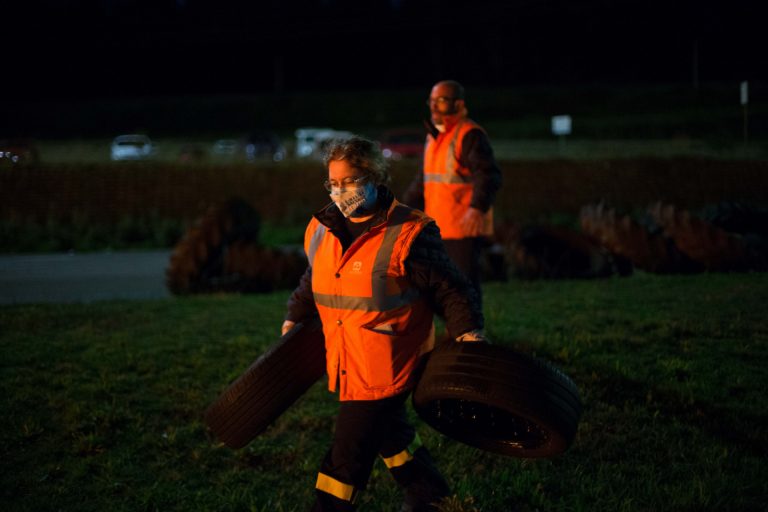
466 253
365 429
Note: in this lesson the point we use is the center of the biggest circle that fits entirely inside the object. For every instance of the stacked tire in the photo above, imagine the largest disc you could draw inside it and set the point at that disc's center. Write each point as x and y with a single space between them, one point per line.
197 261
221 253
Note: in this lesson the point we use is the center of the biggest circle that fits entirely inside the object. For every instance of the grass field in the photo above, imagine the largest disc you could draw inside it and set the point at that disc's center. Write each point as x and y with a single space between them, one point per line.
102 403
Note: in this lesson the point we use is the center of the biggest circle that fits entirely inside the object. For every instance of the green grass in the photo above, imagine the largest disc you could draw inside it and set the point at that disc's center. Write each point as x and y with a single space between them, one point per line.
82 234
102 403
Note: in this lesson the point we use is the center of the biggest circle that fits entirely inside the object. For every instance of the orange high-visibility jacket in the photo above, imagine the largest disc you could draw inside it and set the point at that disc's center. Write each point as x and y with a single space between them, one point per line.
448 184
376 325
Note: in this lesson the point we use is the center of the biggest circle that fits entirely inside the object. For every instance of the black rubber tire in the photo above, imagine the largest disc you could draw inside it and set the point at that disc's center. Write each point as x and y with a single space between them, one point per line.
495 399
197 259
269 386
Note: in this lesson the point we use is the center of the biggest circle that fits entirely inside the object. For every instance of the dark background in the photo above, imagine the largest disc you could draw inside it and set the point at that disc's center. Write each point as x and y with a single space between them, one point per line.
133 48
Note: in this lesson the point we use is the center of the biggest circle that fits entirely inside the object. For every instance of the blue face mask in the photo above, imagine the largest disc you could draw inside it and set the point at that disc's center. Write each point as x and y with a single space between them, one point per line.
355 202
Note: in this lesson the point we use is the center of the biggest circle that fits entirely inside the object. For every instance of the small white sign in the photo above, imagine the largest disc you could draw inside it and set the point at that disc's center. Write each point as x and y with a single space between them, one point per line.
744 93
561 125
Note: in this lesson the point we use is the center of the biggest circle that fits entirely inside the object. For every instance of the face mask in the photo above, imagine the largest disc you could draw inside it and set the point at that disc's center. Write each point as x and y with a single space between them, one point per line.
355 202
440 128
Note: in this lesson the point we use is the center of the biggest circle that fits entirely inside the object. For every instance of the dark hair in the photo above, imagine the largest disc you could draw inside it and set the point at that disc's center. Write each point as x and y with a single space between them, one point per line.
362 154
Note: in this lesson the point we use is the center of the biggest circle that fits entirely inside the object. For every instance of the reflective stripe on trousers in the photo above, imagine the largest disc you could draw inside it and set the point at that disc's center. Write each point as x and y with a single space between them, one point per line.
340 490
397 460
365 429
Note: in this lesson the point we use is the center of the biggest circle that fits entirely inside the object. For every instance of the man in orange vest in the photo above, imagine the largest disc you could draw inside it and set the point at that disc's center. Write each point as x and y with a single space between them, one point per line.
459 181
377 272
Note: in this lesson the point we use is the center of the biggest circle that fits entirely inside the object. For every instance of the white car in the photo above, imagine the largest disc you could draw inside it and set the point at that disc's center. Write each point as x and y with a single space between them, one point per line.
132 147
226 147
310 142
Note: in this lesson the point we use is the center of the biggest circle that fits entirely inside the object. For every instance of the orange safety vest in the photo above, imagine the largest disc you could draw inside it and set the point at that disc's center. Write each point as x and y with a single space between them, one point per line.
376 324
448 184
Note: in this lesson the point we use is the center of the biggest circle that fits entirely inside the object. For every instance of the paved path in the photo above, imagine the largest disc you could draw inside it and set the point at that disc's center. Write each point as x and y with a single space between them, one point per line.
30 278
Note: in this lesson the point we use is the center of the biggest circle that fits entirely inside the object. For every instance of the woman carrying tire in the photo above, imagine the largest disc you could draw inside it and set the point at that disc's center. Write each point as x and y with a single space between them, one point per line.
377 273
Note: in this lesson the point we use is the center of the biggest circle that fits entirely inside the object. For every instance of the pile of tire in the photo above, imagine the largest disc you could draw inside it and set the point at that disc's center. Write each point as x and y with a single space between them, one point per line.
220 252
641 243
556 252
709 245
669 239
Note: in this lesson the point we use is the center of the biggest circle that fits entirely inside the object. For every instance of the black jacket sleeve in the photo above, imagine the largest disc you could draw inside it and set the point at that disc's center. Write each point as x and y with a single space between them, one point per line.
301 303
414 194
477 156
434 274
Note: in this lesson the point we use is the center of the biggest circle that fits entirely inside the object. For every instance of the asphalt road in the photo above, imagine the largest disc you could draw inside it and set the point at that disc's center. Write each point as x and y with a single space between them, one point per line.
51 278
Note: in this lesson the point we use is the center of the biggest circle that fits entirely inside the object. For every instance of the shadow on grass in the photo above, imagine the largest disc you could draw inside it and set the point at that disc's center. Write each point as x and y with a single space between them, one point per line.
739 429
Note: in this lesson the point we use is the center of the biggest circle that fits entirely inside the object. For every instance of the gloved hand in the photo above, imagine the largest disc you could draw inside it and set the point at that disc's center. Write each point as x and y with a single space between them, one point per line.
287 326
473 337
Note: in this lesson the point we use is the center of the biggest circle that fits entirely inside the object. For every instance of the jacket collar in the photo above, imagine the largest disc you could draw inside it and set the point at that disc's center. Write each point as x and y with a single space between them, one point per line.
451 122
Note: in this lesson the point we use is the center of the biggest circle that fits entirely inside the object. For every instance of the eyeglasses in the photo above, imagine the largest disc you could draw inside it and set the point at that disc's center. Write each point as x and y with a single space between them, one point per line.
440 100
351 182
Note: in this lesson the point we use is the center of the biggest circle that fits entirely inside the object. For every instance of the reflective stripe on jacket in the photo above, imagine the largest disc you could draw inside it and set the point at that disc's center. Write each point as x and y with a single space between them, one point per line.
448 184
376 324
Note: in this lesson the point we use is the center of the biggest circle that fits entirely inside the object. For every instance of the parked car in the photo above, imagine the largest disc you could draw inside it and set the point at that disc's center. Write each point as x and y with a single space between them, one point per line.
18 153
132 147
192 153
310 142
226 147
402 143
262 145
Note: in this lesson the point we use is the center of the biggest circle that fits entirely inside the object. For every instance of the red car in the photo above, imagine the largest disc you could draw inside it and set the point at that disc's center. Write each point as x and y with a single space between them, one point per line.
403 143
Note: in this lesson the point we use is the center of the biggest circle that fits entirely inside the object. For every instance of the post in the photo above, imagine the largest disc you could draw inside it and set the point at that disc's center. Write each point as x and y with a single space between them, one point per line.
696 65
744 103
561 126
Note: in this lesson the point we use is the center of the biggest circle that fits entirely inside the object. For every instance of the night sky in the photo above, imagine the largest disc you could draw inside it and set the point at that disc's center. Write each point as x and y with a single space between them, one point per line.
104 48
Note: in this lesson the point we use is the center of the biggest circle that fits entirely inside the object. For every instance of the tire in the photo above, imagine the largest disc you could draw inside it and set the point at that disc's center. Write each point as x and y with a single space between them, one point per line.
269 386
498 400
196 262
